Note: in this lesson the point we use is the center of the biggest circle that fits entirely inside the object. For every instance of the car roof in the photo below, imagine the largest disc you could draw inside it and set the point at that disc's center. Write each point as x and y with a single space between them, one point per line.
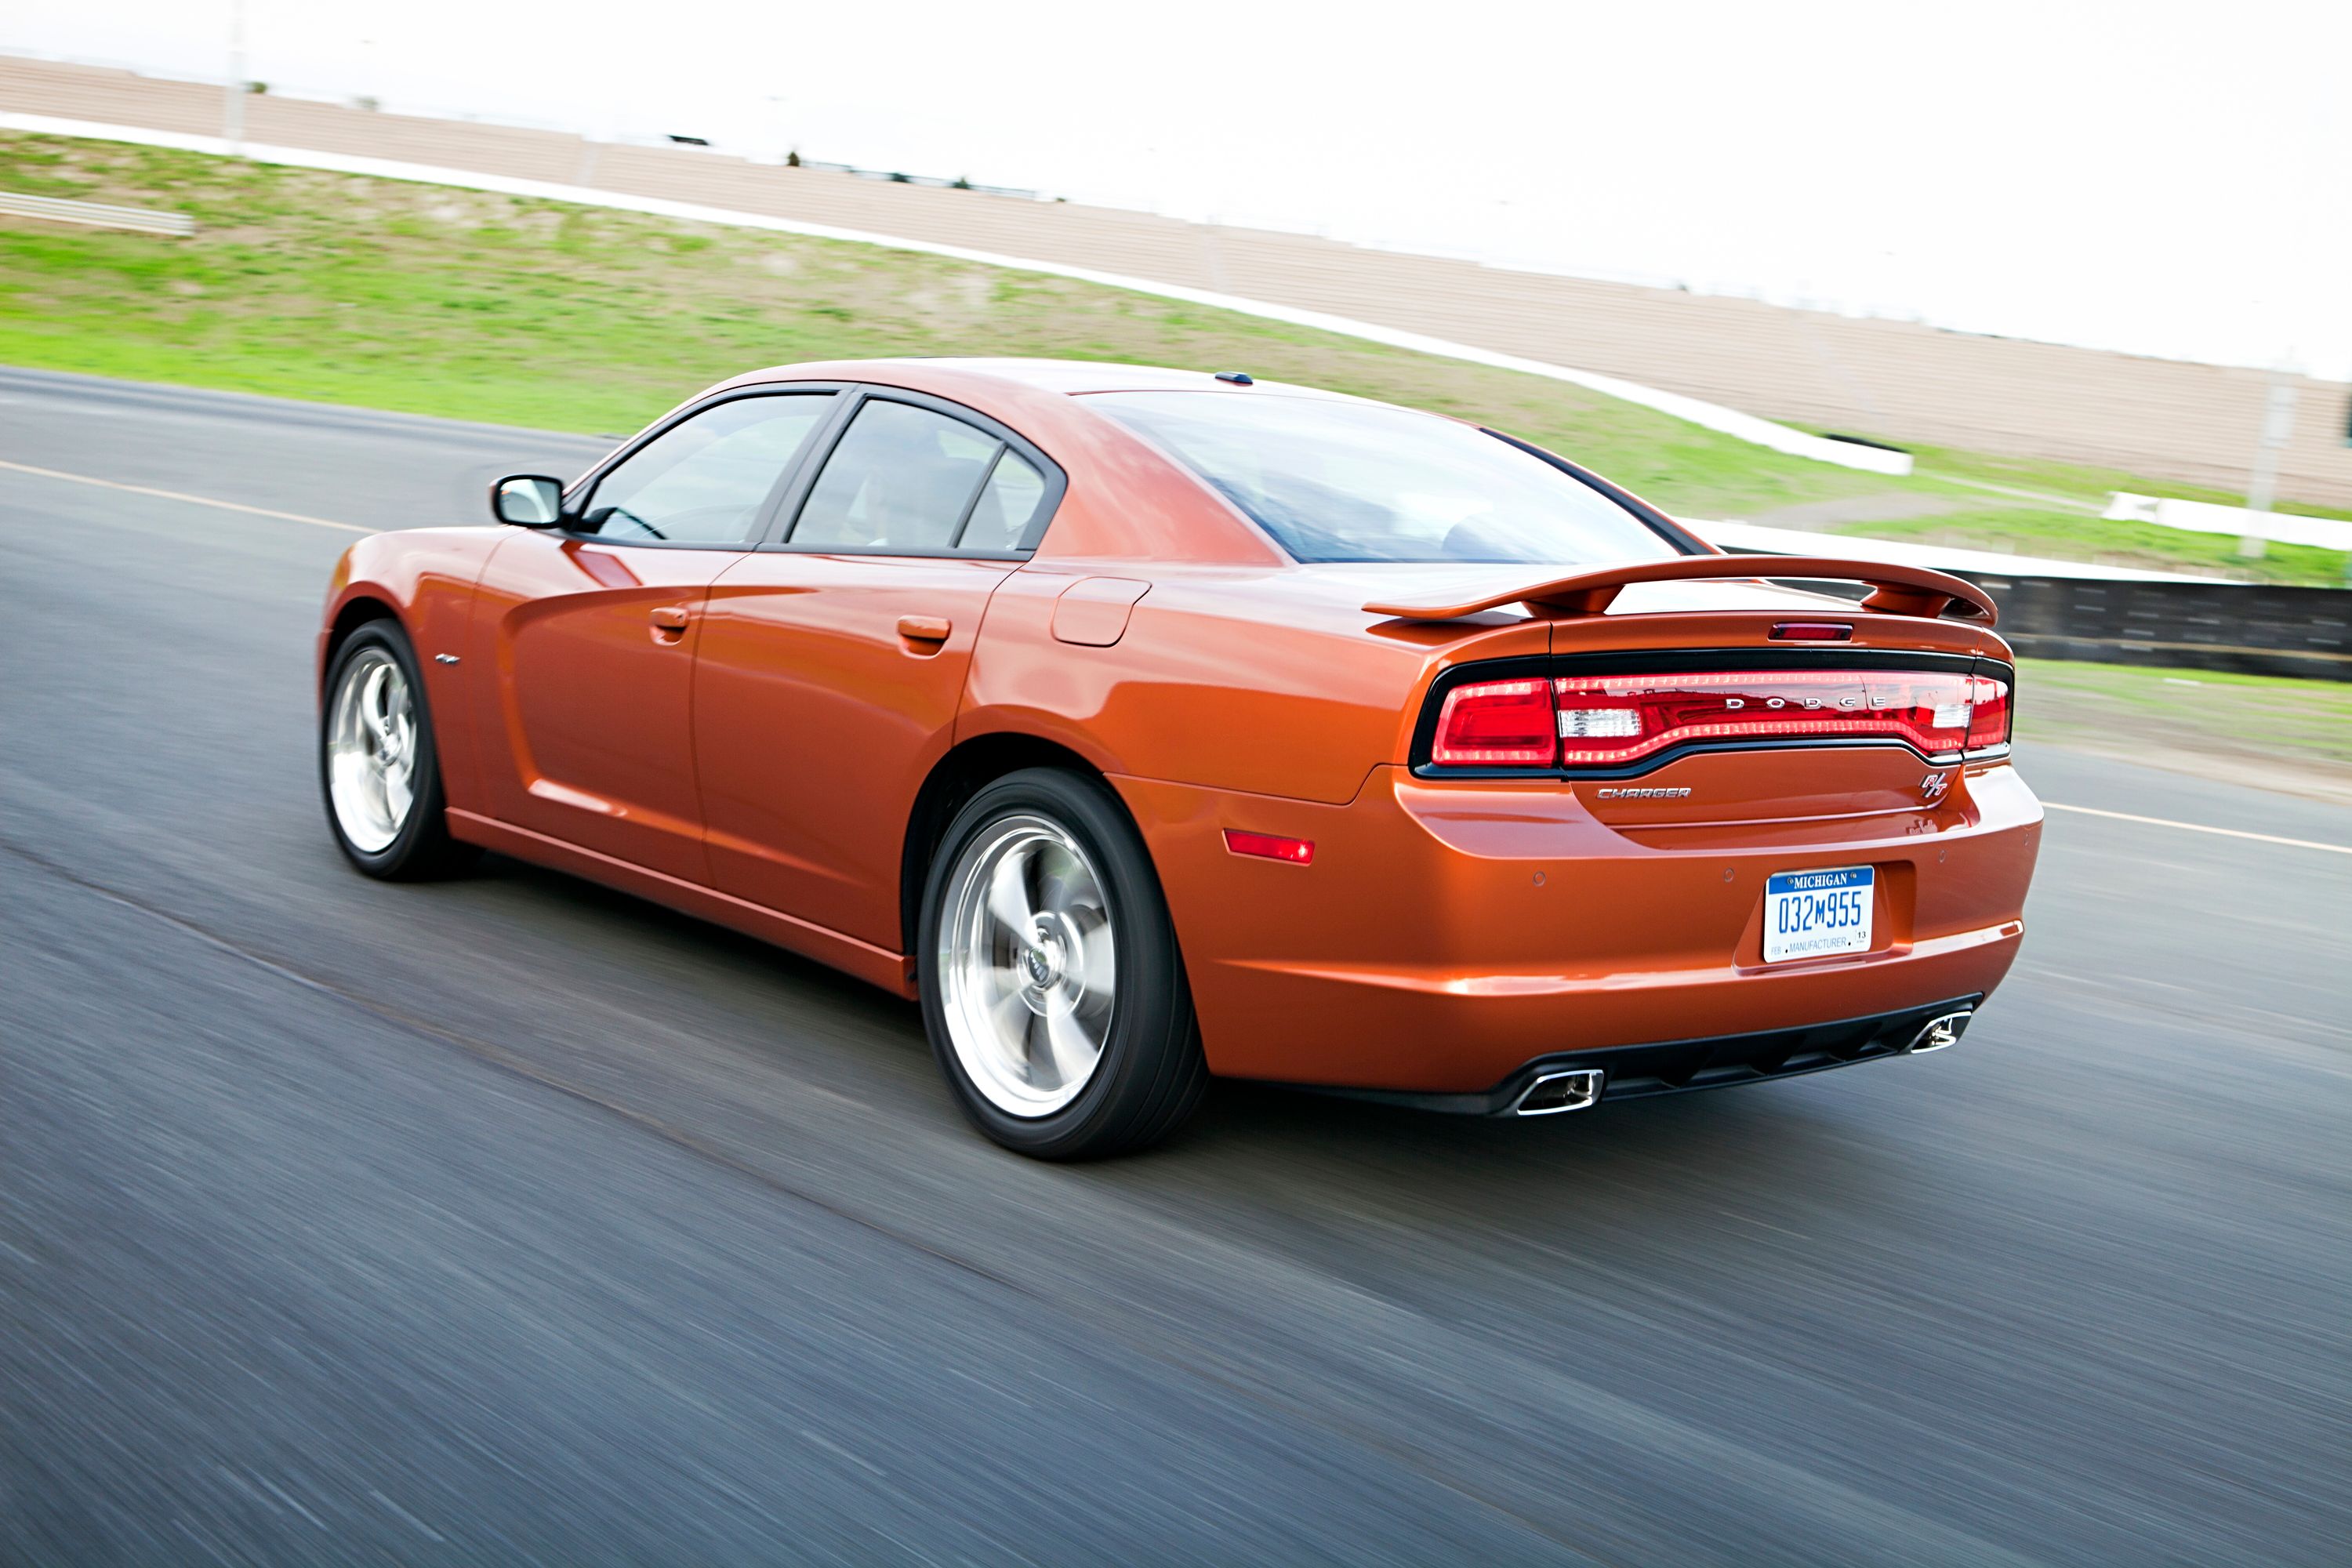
1075 377
1126 500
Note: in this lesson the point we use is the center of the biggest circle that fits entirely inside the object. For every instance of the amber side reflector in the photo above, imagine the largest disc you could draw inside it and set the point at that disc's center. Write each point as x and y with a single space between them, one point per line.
1297 851
1813 631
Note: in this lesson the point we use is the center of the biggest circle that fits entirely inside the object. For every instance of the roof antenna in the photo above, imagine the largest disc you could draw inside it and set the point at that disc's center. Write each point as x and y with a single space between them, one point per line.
1238 377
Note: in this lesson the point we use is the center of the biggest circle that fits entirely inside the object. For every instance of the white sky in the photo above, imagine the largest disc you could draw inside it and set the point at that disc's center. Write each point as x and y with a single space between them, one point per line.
2161 177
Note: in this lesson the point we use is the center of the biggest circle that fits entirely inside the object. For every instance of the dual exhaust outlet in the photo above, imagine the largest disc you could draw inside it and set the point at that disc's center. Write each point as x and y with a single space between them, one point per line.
1551 1092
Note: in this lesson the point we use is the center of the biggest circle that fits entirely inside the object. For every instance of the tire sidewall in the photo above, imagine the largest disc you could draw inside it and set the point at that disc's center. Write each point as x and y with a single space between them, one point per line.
425 810
1151 999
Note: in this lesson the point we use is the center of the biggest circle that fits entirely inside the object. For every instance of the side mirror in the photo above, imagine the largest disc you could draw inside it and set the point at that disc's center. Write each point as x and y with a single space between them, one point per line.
528 501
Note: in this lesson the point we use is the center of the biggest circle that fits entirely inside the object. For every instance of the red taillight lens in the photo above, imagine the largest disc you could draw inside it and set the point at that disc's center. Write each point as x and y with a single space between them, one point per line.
1813 631
1297 851
1497 723
1611 720
1987 717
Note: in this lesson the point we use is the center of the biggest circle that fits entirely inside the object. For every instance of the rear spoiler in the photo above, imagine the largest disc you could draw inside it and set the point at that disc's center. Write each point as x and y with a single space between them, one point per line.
1896 589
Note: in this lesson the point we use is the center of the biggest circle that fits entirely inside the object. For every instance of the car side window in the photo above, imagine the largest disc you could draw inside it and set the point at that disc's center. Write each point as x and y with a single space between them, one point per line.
703 480
901 477
1007 506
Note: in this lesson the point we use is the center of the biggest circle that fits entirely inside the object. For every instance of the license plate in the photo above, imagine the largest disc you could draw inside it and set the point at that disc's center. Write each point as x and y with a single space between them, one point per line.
1817 914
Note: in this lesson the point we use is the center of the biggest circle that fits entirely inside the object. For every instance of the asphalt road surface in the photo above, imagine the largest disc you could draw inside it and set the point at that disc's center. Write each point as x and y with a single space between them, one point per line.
509 1219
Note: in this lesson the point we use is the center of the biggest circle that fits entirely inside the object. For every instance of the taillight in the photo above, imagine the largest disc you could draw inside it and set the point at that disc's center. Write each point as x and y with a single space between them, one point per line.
1608 721
1987 717
1613 720
1497 724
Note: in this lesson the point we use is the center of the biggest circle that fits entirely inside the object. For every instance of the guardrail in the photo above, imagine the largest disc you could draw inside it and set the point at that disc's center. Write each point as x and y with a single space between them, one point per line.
97 214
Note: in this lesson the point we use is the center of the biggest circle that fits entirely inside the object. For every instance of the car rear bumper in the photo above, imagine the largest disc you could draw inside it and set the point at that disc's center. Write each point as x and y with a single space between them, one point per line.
1670 1067
1448 938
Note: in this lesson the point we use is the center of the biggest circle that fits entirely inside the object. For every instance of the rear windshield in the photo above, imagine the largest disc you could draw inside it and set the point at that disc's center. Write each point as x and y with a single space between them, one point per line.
1336 481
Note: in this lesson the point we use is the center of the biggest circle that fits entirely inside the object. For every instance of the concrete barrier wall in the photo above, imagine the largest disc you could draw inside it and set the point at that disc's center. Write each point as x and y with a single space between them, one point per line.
2194 422
2241 626
2297 631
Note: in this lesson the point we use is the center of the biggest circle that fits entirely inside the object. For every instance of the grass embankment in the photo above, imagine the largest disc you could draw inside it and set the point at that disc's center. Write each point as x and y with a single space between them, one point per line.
420 298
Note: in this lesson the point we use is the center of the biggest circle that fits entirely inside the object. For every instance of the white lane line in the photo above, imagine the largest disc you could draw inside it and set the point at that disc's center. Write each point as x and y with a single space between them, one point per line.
191 501
2200 827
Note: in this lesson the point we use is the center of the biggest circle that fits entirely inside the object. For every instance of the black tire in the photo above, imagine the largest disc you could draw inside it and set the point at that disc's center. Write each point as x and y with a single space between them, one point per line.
1152 1074
422 849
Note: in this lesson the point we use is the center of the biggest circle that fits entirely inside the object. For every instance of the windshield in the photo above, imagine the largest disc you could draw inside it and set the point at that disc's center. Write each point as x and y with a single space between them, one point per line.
1336 481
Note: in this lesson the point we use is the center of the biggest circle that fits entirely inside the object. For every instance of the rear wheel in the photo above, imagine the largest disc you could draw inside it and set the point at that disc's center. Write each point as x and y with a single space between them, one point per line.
378 765
1052 989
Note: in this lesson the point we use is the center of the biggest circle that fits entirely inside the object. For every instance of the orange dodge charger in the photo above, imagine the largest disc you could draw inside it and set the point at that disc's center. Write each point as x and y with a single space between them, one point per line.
1149 725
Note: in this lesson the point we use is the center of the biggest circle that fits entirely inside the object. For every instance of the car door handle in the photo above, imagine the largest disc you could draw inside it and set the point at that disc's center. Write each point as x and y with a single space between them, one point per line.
669 624
925 628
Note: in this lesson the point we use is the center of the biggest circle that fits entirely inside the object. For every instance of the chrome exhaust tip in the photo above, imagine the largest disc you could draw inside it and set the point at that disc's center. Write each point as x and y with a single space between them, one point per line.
1549 1094
1940 1033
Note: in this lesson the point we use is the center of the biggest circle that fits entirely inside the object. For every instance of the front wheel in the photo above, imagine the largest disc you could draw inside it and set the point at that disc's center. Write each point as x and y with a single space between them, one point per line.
1052 989
378 765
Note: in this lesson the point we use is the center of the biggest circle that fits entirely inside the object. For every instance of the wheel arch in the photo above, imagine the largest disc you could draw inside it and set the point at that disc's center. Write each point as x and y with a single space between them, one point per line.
355 612
963 772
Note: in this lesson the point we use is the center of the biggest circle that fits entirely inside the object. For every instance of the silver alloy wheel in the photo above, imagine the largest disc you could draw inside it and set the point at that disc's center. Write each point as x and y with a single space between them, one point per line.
1027 966
372 751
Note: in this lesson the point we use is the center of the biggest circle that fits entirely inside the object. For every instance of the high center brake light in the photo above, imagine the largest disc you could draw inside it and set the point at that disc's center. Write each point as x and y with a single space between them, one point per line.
1612 721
